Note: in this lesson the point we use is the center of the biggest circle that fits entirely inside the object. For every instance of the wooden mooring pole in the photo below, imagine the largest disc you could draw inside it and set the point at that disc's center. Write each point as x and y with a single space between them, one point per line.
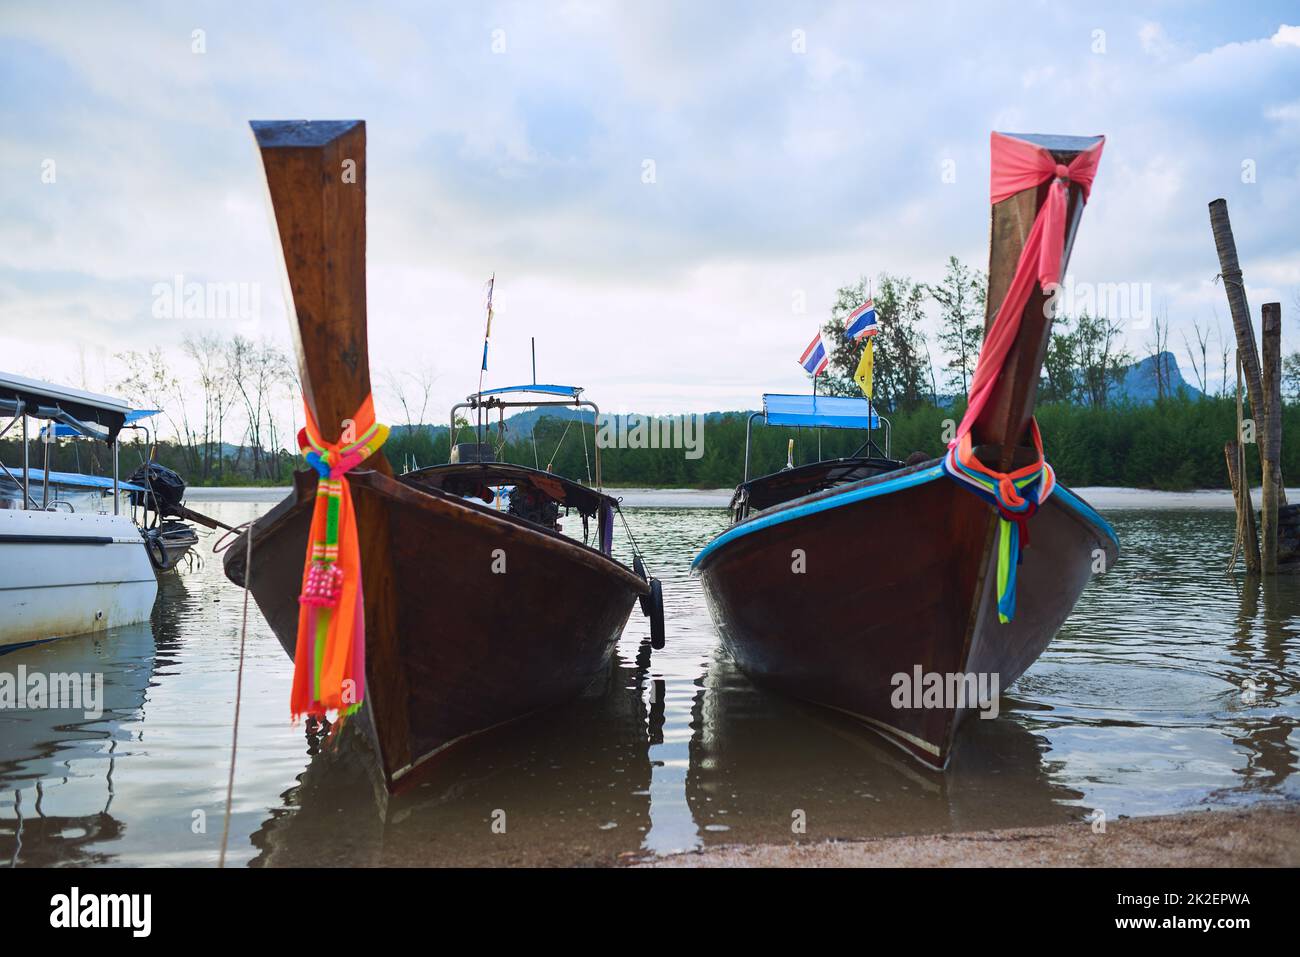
1247 539
1235 289
1264 388
1270 437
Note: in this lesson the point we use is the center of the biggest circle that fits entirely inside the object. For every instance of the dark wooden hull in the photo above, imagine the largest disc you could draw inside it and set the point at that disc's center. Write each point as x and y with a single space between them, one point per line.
452 648
900 573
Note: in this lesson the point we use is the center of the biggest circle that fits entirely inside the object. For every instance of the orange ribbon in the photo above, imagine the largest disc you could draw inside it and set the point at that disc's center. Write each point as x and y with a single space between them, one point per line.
330 655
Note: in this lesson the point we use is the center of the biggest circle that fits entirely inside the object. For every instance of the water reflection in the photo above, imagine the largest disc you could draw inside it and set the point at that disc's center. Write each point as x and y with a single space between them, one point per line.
766 769
1141 697
57 765
1137 707
569 787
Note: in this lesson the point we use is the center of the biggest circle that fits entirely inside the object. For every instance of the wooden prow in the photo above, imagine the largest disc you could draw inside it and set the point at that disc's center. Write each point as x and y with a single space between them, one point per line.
316 179
1003 427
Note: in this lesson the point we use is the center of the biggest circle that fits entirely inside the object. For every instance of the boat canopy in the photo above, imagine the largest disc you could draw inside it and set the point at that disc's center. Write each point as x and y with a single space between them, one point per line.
822 411
568 391
86 413
67 431
78 480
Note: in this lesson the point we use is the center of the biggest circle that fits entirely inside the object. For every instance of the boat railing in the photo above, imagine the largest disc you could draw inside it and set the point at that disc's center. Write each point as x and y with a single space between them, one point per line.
486 401
873 418
45 401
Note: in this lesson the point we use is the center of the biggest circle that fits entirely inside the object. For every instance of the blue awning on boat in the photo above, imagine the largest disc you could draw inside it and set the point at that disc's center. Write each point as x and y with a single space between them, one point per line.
66 431
72 480
820 411
569 391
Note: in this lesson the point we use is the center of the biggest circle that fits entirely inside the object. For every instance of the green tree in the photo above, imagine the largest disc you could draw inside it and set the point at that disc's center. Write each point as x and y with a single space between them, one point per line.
900 374
960 297
1060 363
1100 359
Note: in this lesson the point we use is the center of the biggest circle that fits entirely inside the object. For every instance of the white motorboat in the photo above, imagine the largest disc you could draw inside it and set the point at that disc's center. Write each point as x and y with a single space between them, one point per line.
72 560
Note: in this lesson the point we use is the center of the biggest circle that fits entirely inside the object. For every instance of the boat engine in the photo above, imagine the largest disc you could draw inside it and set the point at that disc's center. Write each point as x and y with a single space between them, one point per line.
167 487
535 506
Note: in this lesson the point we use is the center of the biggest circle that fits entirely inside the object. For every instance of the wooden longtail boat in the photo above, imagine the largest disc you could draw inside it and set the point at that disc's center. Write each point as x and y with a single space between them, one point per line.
842 583
474 616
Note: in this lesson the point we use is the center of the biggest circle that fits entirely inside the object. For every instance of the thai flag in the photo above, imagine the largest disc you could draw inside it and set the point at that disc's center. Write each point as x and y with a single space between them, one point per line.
861 322
815 358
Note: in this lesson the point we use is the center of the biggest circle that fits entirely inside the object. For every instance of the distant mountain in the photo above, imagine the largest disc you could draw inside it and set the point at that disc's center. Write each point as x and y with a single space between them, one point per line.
1139 384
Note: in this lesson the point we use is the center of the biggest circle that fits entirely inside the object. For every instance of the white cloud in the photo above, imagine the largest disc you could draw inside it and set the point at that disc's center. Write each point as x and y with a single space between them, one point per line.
776 170
1287 35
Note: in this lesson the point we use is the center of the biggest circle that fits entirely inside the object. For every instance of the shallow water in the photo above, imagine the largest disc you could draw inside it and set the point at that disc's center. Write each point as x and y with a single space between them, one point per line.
1137 707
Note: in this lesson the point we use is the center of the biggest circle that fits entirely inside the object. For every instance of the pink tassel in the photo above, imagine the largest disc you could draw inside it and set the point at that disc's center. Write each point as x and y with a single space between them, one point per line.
324 585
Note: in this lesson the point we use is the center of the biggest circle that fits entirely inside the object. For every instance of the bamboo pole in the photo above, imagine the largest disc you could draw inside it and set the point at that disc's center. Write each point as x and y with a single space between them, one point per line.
1235 451
1235 289
1271 428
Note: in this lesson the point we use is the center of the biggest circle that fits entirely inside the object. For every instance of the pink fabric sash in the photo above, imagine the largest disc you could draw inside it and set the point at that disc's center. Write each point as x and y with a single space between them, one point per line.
1018 165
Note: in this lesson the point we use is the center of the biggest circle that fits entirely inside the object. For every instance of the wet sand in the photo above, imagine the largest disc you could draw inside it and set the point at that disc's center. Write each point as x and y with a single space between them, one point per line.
1263 836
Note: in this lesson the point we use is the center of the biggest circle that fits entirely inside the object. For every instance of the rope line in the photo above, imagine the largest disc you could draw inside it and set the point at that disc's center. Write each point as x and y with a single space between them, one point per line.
239 692
563 435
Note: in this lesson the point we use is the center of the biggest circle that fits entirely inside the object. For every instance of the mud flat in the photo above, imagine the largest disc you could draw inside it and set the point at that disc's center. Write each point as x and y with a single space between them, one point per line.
1262 836
233 493
1112 497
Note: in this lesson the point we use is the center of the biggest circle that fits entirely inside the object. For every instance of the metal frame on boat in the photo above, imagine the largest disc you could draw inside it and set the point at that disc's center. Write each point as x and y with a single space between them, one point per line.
816 412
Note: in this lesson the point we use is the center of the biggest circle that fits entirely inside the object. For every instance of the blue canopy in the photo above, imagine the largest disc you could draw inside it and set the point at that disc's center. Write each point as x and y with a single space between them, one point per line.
822 411
66 431
73 480
569 391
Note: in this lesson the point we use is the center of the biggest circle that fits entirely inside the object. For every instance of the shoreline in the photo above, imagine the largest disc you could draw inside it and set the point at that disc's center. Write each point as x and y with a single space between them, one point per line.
1266 835
1106 497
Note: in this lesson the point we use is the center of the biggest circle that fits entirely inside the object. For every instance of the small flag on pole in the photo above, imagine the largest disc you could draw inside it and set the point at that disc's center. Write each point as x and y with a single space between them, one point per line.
861 322
487 331
862 376
815 358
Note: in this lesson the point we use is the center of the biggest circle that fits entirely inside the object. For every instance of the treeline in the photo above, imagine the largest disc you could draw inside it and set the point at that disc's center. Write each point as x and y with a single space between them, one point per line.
1087 355
230 405
235 388
1173 444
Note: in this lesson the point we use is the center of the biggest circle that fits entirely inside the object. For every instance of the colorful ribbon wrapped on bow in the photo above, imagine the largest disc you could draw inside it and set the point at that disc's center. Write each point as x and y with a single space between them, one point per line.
1016 495
330 656
1018 165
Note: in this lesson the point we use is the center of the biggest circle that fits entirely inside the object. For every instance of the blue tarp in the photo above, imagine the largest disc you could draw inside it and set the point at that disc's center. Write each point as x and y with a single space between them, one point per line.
71 480
570 391
822 411
66 431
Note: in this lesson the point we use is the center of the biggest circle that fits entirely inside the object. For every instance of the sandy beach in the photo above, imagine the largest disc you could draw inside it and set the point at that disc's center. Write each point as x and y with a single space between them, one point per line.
1262 836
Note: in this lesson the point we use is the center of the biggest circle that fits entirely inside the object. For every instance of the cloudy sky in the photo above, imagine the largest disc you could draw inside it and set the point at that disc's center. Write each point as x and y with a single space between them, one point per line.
794 146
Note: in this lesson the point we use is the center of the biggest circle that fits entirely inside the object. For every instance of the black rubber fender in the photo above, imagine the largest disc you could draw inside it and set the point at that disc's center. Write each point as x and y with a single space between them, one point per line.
656 601
638 567
154 548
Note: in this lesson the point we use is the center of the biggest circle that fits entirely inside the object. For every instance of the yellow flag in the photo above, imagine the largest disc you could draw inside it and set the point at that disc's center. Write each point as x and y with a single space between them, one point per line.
863 374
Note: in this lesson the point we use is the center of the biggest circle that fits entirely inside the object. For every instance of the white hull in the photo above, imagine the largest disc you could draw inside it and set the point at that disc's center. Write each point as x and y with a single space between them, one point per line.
70 574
